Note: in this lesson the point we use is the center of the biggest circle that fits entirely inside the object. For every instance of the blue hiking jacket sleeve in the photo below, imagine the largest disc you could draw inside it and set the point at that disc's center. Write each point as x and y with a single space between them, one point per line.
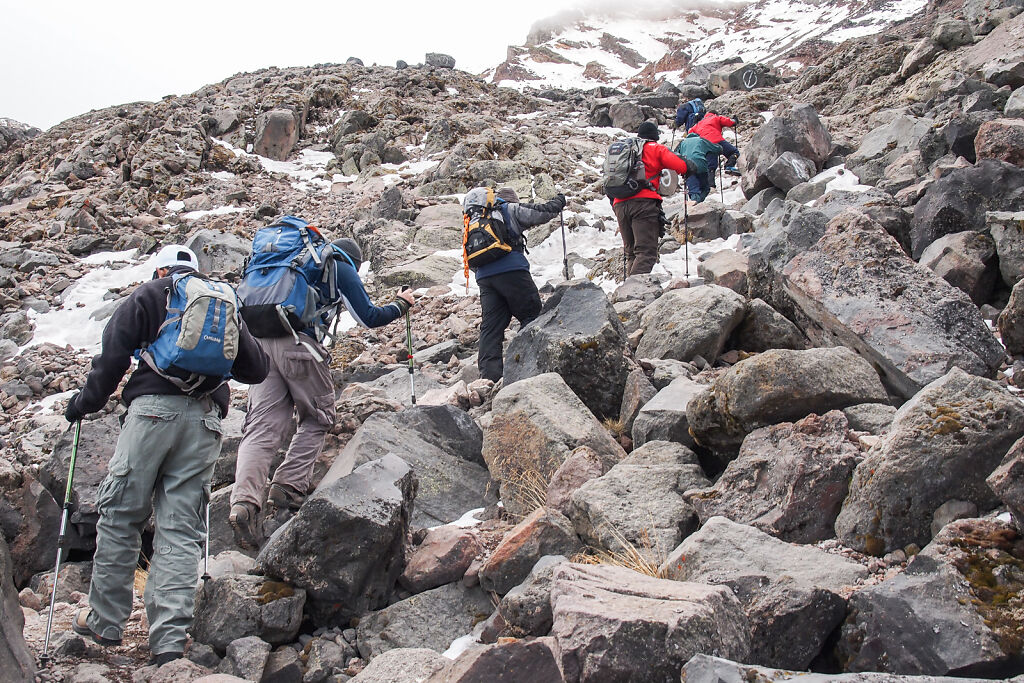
357 301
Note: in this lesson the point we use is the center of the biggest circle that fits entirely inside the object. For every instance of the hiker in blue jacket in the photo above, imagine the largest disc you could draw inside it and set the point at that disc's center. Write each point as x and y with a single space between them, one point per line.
506 288
162 464
689 113
300 383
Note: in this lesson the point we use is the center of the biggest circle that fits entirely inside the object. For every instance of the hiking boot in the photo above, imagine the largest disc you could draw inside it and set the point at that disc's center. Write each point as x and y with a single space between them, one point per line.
732 170
242 519
80 626
164 658
283 502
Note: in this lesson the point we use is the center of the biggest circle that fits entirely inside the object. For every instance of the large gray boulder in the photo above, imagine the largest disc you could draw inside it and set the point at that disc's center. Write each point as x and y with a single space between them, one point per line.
346 544
878 204
277 131
793 128
616 625
883 145
764 328
941 446
402 665
784 230
1007 482
792 594
219 252
663 418
507 661
860 288
431 619
1007 230
939 616
638 504
967 260
708 669
959 200
95 449
16 661
779 386
535 425
789 170
579 336
684 323
527 607
441 443
240 605
789 480
1011 322
999 57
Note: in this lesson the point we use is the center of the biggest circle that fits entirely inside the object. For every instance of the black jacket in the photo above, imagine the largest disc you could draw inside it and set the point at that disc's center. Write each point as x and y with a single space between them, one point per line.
137 321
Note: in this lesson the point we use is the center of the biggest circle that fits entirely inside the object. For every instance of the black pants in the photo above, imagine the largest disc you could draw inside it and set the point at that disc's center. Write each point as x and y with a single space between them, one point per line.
503 296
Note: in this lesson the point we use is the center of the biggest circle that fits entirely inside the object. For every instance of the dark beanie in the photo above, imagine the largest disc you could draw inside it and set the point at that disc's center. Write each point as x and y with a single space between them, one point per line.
508 194
351 248
648 130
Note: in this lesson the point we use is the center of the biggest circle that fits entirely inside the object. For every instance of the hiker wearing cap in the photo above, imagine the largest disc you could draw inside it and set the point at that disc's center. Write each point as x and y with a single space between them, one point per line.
299 383
710 128
640 216
506 288
170 439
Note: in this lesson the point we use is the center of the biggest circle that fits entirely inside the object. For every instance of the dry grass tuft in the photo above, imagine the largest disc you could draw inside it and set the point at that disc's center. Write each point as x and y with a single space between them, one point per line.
645 559
616 426
527 487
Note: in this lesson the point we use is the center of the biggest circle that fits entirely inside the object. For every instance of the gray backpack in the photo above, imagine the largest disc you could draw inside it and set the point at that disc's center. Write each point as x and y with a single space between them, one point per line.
624 169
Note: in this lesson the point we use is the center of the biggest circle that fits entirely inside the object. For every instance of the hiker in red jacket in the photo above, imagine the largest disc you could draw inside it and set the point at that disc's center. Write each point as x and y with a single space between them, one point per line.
640 216
710 128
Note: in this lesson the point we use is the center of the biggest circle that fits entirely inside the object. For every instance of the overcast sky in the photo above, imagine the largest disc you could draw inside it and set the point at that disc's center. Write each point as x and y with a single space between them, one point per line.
59 59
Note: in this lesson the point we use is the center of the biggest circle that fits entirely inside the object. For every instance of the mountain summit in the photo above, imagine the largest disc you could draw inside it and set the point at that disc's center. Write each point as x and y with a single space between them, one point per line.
586 49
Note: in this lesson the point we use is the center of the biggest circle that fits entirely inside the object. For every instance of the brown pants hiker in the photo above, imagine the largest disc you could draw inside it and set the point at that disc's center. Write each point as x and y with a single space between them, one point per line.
639 225
297 383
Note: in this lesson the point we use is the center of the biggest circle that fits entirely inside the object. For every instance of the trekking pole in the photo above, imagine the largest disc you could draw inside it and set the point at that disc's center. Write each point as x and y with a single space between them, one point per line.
721 184
672 145
412 363
206 559
686 236
45 657
565 255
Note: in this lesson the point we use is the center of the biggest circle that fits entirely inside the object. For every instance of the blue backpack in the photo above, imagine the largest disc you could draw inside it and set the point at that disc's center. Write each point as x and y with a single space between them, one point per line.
288 283
198 340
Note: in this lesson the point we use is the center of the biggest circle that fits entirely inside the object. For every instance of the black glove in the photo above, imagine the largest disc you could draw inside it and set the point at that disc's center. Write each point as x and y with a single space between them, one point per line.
561 198
72 414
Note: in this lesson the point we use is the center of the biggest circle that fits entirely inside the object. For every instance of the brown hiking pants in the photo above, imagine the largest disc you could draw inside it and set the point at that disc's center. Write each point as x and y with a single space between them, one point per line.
297 384
640 226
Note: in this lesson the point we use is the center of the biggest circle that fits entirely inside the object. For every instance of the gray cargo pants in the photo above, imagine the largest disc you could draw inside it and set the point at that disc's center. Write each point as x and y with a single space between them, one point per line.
163 462
297 383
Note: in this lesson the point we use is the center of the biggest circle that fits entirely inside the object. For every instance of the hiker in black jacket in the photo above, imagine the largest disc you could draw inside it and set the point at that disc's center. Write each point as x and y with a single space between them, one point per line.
506 288
162 463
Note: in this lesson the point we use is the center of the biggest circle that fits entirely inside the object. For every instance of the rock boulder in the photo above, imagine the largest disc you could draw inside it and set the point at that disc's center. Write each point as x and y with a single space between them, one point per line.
941 446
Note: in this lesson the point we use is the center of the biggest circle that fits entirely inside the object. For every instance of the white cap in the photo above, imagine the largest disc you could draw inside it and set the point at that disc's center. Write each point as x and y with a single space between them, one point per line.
175 255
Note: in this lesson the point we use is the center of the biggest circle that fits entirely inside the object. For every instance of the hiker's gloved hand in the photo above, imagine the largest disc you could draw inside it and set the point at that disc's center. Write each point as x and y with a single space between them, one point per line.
71 413
561 198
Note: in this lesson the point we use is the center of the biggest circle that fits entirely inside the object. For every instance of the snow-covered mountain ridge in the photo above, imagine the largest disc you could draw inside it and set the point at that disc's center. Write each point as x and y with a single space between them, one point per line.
589 49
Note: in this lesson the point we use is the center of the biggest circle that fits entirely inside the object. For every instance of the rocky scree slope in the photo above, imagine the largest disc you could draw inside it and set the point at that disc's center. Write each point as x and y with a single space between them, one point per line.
818 446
